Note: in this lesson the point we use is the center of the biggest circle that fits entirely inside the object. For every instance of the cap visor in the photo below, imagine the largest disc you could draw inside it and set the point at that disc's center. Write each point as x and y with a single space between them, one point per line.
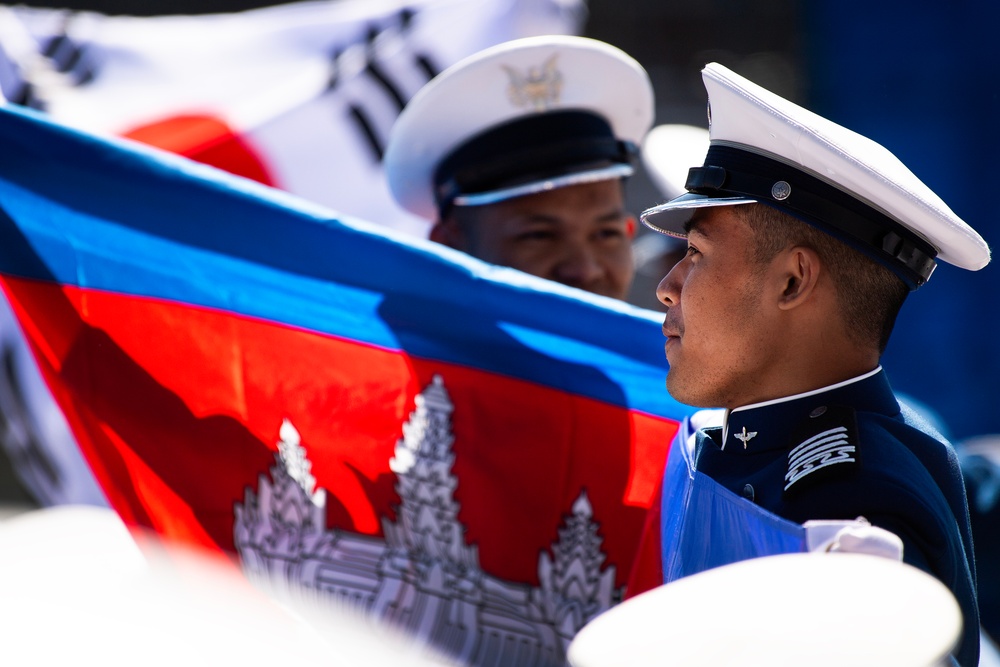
543 185
670 218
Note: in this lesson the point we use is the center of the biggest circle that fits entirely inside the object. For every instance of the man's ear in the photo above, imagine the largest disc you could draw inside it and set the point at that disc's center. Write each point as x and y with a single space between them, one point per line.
448 232
799 269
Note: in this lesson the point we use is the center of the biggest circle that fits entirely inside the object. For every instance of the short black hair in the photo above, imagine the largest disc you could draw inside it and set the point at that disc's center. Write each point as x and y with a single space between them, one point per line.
869 294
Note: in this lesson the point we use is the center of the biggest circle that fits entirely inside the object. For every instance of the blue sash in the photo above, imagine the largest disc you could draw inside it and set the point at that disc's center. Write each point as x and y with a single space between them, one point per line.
705 525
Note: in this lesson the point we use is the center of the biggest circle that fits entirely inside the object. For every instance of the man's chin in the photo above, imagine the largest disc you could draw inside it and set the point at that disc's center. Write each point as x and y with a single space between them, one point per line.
683 392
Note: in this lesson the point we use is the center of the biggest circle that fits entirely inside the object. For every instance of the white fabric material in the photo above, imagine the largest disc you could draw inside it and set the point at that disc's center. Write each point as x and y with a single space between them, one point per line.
857 536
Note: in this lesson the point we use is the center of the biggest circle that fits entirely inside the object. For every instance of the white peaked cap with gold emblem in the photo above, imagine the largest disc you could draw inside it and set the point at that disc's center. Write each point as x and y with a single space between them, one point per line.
766 149
518 118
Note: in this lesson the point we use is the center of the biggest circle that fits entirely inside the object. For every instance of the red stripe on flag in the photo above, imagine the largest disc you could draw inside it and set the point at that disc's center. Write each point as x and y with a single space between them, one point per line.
178 410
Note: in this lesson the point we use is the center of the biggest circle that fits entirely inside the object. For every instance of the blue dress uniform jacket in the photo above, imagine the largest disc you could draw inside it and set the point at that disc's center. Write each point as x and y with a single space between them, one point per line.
850 451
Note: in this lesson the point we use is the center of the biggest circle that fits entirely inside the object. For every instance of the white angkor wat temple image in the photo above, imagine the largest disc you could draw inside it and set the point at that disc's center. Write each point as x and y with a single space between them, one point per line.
423 576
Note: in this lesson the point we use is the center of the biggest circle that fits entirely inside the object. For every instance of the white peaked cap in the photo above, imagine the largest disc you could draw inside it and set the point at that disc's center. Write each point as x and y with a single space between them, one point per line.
816 609
516 119
668 151
766 149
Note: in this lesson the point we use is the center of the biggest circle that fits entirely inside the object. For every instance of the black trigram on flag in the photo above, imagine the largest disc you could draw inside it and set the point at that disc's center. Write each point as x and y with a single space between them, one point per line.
29 66
377 68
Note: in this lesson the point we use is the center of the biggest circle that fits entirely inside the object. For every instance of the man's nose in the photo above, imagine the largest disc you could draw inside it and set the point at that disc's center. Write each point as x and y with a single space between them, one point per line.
578 266
668 292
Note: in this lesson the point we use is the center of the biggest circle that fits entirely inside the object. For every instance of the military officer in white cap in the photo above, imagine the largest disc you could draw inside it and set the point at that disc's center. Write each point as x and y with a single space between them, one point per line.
804 239
518 154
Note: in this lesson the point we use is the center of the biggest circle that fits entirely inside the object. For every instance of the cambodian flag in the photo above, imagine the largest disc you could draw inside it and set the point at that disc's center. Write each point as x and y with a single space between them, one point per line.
465 449
300 96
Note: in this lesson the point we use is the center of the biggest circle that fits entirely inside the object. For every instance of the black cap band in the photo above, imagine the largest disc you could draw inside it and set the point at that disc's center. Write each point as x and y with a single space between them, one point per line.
730 171
532 148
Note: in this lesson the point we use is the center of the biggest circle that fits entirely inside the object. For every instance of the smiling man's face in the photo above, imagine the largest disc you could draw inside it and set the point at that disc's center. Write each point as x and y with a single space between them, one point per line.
721 334
578 235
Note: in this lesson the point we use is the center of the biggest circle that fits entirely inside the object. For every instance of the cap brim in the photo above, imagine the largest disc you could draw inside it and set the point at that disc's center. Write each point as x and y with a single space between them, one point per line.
671 217
544 185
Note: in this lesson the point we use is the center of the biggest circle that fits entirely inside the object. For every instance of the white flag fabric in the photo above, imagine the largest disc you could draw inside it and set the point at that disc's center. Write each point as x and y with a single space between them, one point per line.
298 96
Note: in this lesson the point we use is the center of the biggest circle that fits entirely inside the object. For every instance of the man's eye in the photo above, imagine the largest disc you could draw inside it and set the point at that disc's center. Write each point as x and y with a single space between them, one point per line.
691 251
535 235
611 233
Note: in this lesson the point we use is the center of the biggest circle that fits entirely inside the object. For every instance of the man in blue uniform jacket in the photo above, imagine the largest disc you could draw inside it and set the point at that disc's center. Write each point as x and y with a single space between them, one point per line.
804 239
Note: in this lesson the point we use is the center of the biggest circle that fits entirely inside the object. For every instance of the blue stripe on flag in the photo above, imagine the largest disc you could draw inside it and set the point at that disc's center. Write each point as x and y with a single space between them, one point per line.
116 216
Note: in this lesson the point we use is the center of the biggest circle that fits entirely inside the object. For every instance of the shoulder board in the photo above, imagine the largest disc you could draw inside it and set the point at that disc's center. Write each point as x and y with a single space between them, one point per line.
824 444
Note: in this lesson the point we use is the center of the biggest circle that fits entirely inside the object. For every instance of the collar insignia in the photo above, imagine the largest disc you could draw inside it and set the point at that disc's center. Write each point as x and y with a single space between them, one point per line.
538 88
745 437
